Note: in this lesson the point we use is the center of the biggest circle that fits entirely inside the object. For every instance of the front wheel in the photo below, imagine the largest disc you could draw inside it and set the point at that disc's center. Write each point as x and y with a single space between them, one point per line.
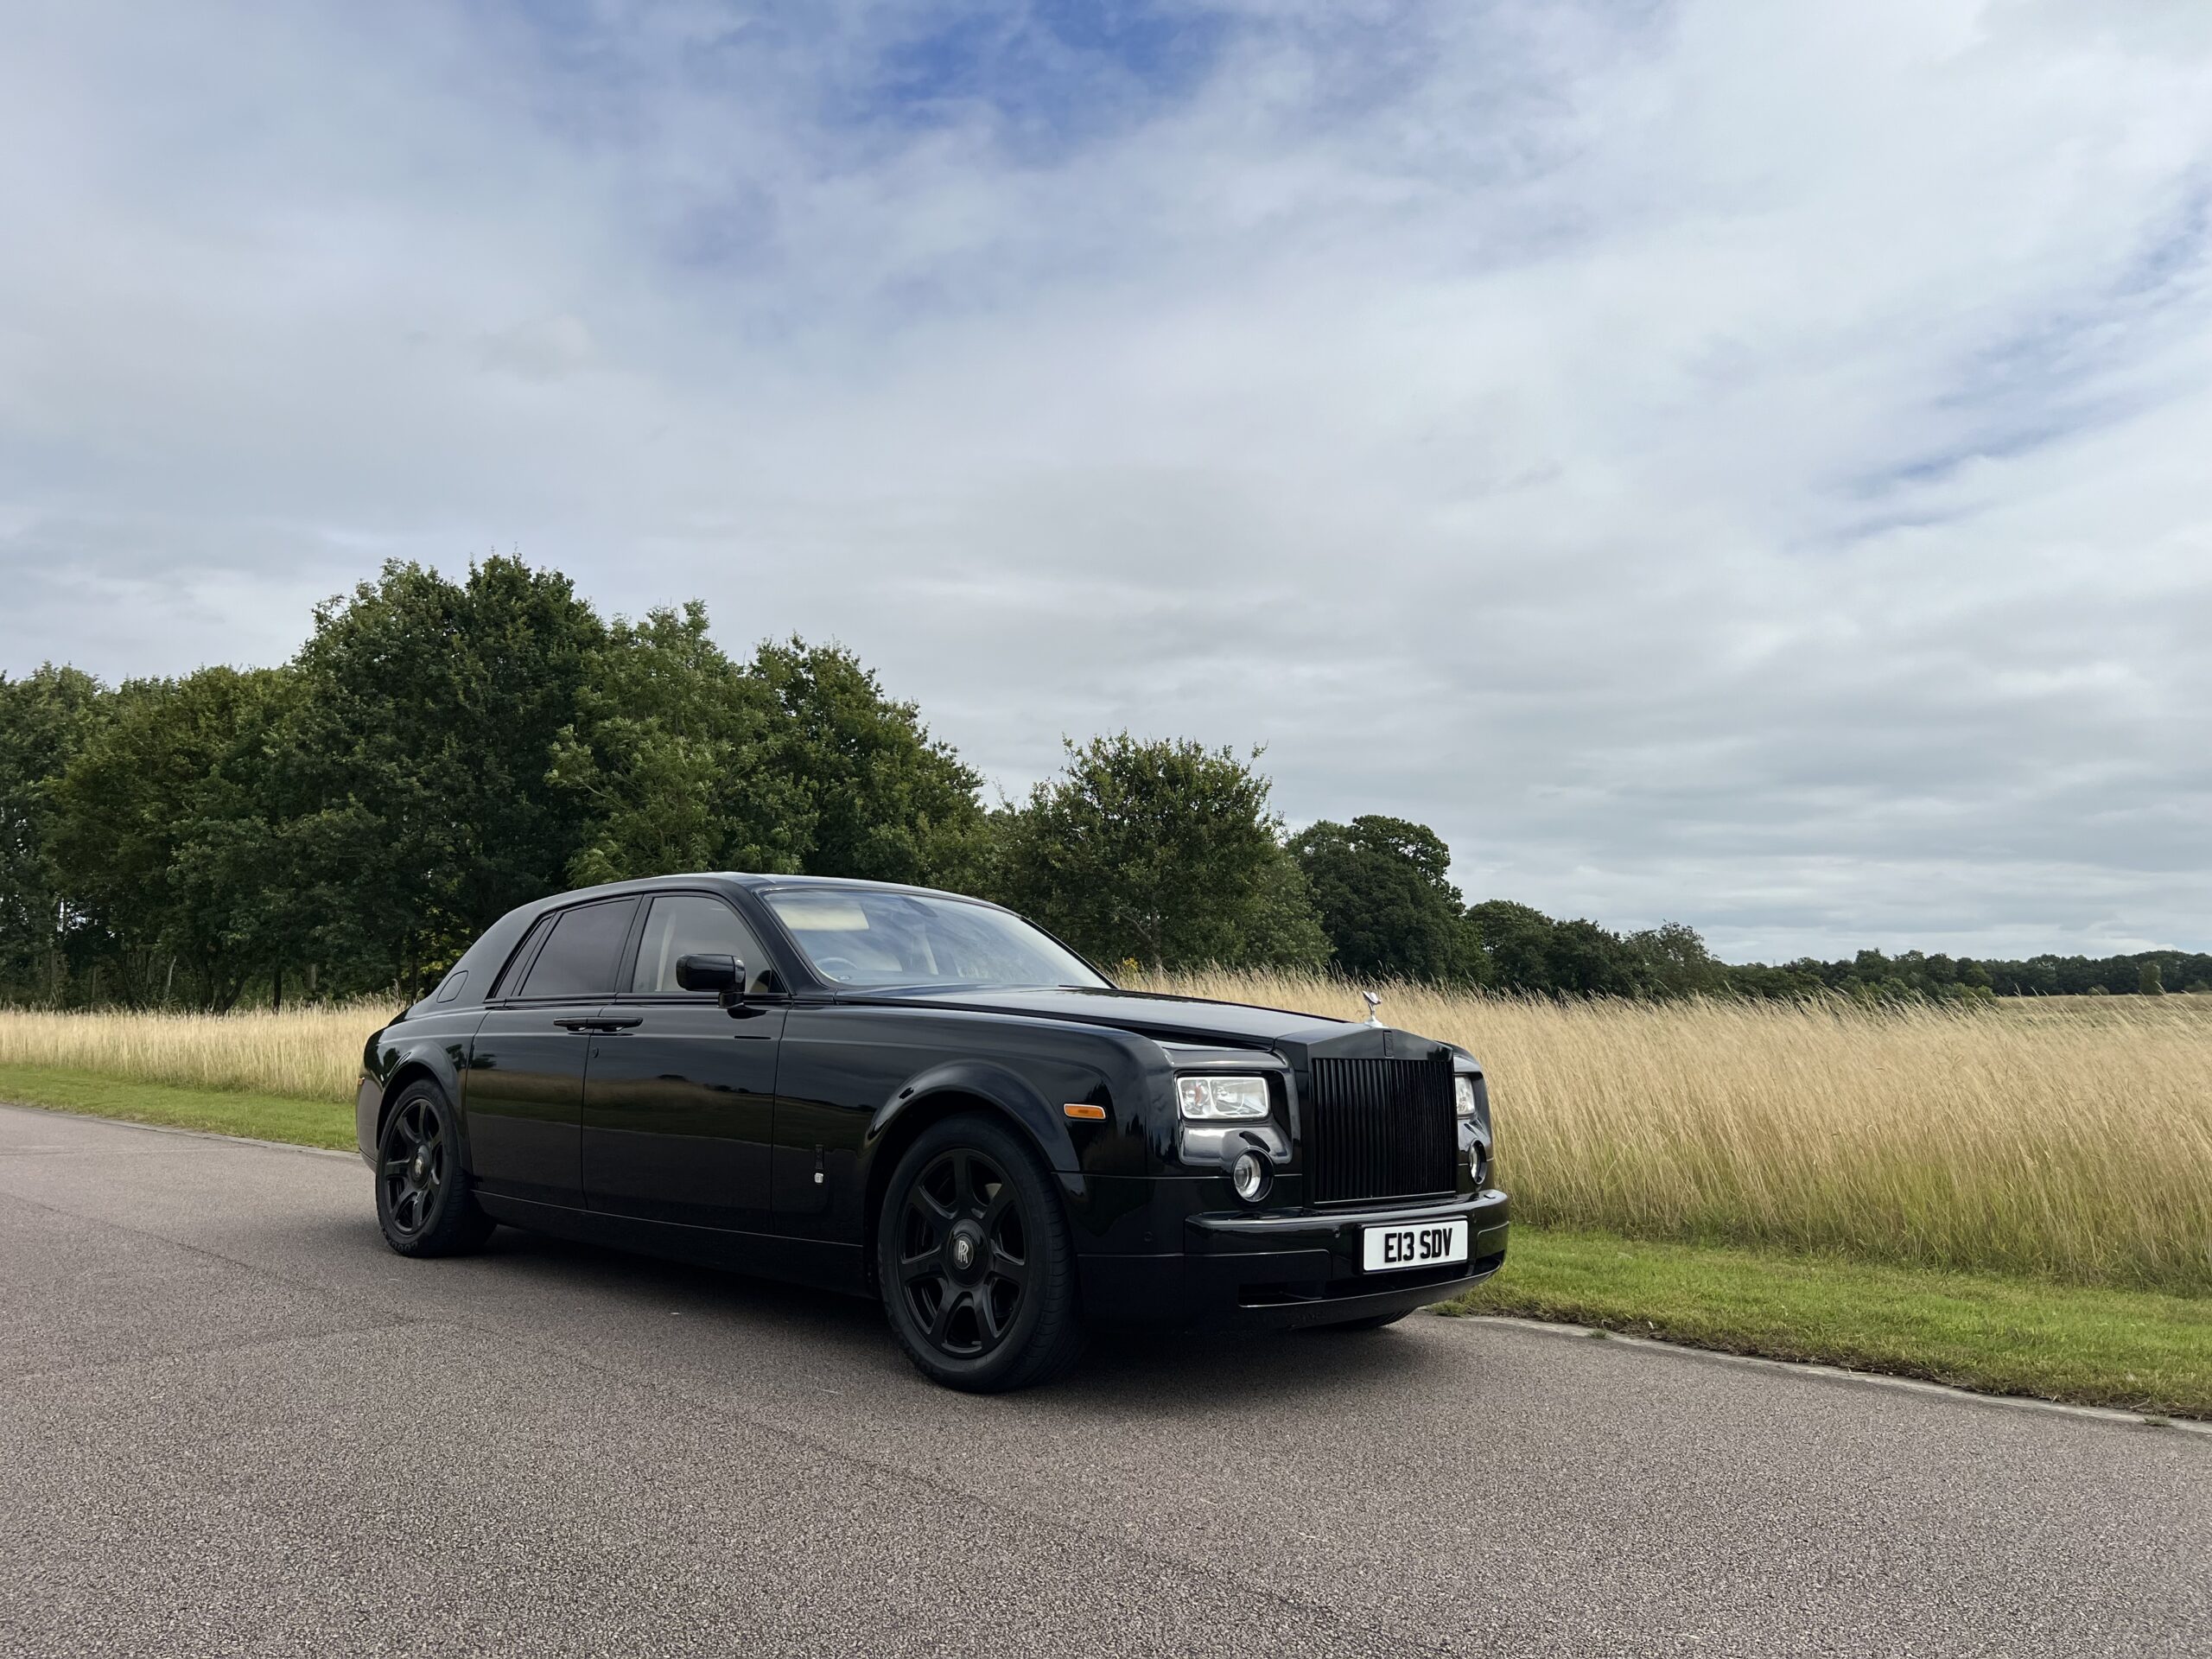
424 1203
973 1260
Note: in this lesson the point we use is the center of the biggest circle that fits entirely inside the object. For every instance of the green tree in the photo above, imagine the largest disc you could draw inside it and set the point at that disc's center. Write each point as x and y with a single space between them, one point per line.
1671 960
415 767
1382 888
45 718
1281 929
682 758
1523 949
883 800
1164 853
2150 983
1511 945
674 761
161 840
1591 961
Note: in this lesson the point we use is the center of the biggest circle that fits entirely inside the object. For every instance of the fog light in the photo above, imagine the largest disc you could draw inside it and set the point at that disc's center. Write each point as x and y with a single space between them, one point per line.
1250 1176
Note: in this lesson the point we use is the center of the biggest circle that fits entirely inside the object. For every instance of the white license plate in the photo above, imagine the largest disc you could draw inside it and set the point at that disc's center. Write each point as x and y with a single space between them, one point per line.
1424 1244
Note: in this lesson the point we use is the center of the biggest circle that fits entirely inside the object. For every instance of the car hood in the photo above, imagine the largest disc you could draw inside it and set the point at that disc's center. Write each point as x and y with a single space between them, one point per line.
1166 1019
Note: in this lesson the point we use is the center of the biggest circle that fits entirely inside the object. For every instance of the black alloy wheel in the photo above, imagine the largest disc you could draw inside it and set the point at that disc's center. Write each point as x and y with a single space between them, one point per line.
423 1203
963 1258
414 1165
974 1261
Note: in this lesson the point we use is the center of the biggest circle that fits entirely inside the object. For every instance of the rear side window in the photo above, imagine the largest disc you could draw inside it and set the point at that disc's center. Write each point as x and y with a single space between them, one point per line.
509 980
579 959
681 924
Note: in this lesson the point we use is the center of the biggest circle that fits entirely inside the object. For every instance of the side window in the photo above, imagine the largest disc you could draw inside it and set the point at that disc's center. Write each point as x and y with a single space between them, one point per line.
690 924
579 960
509 980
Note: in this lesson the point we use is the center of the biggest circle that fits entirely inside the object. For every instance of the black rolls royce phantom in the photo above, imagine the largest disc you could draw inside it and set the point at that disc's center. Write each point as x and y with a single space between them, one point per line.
893 1092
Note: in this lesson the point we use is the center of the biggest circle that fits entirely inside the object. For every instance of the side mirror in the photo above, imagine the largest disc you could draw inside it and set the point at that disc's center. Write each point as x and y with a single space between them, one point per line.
725 975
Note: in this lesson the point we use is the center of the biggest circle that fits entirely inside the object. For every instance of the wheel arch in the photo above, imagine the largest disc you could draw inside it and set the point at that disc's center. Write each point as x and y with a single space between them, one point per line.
418 1069
948 1091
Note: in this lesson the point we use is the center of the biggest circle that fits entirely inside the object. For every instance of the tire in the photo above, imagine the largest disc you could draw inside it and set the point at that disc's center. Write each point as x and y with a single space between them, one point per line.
424 1203
973 1258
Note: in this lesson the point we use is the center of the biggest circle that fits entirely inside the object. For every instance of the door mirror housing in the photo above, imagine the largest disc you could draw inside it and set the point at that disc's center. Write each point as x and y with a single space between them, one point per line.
724 976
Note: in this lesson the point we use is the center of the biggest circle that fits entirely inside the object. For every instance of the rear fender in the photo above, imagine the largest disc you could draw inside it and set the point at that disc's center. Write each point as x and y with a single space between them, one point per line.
396 1056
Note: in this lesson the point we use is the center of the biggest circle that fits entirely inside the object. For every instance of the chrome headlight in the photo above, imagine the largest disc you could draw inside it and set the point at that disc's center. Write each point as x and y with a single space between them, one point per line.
1463 1097
1215 1099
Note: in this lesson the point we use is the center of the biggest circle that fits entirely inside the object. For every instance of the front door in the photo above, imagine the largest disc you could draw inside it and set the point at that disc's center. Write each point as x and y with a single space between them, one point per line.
525 1096
681 1098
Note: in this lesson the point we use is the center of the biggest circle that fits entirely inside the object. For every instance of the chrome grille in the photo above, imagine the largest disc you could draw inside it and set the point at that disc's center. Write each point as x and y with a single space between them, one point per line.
1379 1129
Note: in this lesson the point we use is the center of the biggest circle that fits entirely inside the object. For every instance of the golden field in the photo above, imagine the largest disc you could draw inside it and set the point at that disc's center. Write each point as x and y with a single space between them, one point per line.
308 1054
2070 1139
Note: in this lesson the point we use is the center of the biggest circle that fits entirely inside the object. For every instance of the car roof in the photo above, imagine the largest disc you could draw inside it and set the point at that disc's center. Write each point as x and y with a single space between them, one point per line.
757 882
752 881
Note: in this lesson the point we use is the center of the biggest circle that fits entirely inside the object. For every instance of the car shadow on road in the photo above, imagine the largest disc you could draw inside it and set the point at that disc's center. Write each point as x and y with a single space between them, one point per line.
1162 1371
1163 1366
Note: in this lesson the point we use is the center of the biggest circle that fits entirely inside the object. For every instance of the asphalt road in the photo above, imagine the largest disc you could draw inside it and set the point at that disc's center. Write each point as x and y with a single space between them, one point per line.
232 1422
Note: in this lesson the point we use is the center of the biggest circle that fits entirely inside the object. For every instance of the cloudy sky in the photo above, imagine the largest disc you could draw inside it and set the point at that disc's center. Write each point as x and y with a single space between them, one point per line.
1742 463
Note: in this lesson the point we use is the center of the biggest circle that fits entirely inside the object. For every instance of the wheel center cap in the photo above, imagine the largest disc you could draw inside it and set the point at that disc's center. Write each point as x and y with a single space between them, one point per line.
422 1167
963 1251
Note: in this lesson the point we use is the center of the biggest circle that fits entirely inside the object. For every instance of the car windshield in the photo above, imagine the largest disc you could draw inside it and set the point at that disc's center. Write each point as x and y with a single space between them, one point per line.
856 936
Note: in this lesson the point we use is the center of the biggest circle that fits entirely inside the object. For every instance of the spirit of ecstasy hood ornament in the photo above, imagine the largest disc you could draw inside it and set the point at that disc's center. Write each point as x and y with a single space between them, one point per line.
1373 1003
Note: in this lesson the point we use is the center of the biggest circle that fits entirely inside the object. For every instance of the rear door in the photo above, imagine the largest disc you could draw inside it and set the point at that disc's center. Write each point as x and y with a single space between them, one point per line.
679 1104
527 1065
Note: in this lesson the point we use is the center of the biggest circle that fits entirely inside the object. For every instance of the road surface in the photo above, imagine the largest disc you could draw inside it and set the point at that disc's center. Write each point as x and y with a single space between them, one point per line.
232 1422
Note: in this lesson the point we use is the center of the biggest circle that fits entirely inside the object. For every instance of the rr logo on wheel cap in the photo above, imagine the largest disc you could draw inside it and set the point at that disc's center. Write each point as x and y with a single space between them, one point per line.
963 1251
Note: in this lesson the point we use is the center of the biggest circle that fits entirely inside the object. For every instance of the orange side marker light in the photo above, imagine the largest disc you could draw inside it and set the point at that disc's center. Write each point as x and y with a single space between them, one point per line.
1076 1108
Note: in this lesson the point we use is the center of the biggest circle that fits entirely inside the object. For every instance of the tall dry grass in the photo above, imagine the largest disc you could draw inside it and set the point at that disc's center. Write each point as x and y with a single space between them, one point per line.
2068 1138
308 1053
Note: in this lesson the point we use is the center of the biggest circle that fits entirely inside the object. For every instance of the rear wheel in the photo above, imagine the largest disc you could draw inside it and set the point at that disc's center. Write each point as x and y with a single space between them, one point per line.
424 1203
973 1260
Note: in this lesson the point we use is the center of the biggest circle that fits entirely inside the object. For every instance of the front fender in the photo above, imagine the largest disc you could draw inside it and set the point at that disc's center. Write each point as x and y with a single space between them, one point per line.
1000 1085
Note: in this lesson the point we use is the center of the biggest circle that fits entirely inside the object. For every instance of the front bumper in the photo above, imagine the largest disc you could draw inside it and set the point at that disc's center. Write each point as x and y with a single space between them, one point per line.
1280 1270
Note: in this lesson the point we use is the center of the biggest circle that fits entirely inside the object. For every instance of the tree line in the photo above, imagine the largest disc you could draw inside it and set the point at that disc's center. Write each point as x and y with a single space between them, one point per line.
440 751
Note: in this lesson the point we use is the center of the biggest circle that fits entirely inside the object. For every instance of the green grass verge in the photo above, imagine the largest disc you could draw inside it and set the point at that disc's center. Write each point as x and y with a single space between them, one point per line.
2136 1349
2139 1350
262 1117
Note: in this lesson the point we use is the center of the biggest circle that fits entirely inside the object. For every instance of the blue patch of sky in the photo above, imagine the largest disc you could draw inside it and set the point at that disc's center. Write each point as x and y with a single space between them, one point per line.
2176 249
582 82
1054 70
1051 77
843 85
2049 378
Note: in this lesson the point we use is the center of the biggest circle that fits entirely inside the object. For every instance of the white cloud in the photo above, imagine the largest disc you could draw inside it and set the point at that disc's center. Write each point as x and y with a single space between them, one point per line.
1742 465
